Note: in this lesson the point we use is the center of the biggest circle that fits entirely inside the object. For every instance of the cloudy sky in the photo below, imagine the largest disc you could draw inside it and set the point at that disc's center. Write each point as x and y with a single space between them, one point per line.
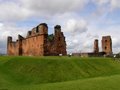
82 21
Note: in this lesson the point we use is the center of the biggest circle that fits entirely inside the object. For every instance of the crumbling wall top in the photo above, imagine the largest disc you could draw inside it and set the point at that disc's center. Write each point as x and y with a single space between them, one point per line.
106 37
44 24
9 39
57 27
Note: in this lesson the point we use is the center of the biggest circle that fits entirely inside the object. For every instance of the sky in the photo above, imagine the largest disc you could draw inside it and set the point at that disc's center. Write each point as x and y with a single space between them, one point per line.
82 21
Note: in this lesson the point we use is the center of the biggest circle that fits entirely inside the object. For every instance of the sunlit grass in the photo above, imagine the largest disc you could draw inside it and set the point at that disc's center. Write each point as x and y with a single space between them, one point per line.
58 73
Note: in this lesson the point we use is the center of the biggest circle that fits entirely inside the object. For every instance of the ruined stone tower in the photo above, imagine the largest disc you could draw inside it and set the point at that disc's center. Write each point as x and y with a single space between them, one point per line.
96 47
59 40
107 45
38 43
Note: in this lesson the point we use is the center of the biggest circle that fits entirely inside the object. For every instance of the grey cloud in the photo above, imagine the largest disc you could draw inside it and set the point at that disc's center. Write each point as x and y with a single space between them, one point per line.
12 10
54 6
23 9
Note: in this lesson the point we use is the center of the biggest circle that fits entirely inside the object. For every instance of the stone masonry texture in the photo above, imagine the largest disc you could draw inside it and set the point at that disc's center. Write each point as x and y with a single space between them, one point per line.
38 43
107 45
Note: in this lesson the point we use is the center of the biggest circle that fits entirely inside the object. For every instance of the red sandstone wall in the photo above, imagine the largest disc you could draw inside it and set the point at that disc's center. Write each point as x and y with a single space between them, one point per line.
58 46
36 43
60 43
96 47
33 46
12 49
107 45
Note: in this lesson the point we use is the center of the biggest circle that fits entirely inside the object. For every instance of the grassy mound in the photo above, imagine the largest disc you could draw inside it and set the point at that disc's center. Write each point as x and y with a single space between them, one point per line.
15 71
98 83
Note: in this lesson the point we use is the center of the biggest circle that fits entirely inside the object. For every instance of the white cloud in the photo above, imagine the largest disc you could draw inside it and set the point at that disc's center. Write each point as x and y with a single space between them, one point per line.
115 4
74 29
76 26
81 42
9 30
11 11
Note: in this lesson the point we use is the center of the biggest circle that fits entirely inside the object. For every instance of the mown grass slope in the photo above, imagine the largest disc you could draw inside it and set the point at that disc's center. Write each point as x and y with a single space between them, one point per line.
58 73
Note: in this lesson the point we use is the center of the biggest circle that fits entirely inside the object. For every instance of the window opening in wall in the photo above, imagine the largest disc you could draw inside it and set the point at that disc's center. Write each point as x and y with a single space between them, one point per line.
59 38
37 29
105 48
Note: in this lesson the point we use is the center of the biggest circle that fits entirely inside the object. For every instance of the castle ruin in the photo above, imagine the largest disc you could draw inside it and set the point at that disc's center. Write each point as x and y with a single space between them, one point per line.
38 43
106 48
96 47
107 45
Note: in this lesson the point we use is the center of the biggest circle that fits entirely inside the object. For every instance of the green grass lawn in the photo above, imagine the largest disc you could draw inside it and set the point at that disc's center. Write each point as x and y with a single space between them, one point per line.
59 73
